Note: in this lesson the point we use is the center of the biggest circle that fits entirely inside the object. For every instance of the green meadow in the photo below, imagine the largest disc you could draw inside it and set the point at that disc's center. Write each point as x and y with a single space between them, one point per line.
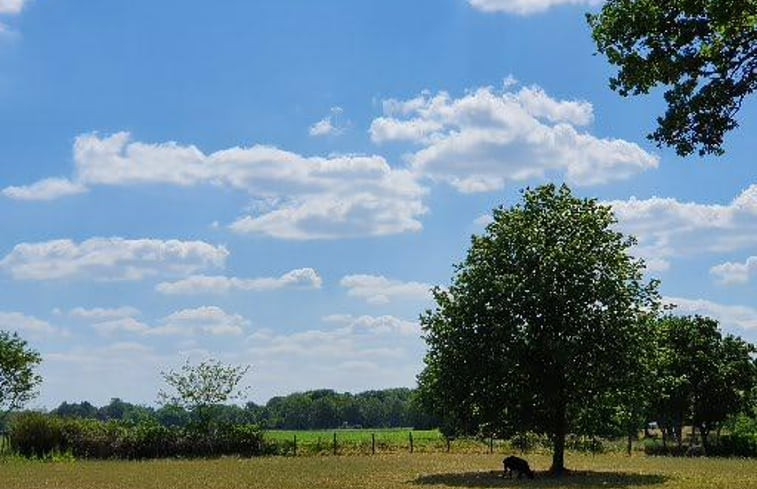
384 471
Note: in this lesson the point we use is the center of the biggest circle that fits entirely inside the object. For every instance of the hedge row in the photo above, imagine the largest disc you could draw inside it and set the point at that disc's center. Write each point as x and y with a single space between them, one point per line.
40 435
731 445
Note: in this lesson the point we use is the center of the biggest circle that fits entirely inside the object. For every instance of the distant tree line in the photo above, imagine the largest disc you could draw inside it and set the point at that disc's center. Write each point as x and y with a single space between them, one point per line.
311 410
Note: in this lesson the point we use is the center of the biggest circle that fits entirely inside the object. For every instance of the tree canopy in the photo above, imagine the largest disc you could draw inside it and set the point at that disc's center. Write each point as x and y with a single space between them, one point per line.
702 377
703 51
18 381
544 323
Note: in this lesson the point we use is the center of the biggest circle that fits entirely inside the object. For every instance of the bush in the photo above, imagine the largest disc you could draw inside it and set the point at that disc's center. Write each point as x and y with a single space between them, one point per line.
241 439
39 435
741 441
655 447
529 441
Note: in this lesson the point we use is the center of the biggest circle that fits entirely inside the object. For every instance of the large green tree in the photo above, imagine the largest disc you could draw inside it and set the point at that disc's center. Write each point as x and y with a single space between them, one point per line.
703 51
545 322
18 381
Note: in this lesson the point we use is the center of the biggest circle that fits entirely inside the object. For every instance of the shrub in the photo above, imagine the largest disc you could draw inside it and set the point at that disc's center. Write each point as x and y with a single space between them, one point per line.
584 444
35 434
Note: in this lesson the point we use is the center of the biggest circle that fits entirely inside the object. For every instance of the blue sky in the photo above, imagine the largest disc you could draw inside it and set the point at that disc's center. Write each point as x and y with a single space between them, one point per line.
279 183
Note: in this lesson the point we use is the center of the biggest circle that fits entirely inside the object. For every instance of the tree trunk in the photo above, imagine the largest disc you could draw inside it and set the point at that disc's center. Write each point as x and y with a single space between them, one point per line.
704 432
679 433
558 453
630 443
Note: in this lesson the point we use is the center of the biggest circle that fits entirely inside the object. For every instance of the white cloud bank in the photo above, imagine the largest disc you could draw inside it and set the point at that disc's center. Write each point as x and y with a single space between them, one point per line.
100 313
735 273
219 284
110 259
300 197
741 317
376 289
668 228
27 325
12 6
379 325
348 353
205 320
525 7
360 353
488 137
47 189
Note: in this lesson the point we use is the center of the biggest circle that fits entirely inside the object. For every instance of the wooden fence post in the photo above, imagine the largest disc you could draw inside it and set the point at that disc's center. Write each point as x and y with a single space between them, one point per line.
491 444
295 445
373 443
411 442
447 444
335 443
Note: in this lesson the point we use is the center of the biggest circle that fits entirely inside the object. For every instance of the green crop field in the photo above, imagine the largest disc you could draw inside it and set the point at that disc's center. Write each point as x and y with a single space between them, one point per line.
387 471
357 441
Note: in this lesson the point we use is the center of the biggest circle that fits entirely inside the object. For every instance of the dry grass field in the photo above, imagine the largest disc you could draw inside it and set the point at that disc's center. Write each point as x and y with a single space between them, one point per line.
424 470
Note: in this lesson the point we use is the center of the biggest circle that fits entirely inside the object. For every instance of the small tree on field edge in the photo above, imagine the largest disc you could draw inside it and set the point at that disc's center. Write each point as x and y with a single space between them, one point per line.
18 381
198 388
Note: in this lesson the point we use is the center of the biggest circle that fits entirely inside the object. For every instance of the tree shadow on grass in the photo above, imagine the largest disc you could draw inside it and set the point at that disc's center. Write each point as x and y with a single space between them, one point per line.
579 478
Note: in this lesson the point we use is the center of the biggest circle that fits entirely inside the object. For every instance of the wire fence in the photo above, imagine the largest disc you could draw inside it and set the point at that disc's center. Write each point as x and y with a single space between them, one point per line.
368 442
372 442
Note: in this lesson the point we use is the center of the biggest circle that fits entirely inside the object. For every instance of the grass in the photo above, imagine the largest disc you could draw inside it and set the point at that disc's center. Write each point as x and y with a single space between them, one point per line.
386 471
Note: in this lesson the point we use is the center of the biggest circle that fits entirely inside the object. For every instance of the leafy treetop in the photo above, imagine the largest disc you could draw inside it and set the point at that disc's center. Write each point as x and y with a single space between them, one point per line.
703 51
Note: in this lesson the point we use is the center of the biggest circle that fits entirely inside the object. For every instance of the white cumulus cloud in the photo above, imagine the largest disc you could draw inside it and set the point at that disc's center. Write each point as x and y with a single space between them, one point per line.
730 316
735 273
47 189
105 259
209 320
202 284
377 289
525 7
375 324
488 137
483 220
200 321
102 313
301 197
668 228
12 6
121 325
329 125
24 324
